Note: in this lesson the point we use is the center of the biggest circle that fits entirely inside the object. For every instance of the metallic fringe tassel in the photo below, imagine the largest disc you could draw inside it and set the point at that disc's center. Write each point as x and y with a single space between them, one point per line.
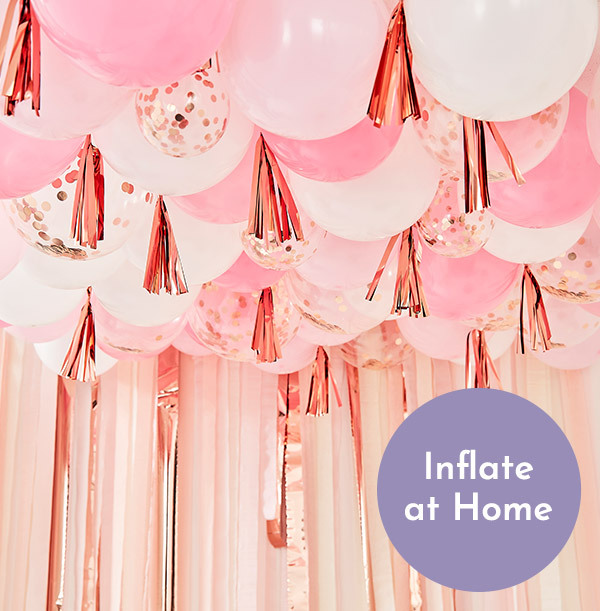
478 362
539 329
265 341
22 78
163 265
394 96
273 212
318 394
408 292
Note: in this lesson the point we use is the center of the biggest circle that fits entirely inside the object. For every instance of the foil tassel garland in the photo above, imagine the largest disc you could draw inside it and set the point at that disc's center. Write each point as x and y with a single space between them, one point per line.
273 212
80 360
394 96
479 366
408 291
264 340
477 195
163 265
318 393
532 300
22 77
87 222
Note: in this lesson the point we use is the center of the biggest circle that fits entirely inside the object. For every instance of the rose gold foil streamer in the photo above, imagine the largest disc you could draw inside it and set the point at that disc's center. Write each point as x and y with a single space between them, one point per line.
80 360
265 341
318 393
273 211
22 77
163 265
87 222
408 291
532 300
510 162
479 366
394 96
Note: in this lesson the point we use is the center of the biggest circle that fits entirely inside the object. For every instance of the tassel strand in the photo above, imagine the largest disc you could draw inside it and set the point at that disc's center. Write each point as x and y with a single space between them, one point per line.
264 340
318 394
539 329
479 366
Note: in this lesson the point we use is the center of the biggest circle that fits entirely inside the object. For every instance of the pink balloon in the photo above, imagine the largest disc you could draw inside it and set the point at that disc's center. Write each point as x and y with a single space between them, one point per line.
48 333
562 187
463 287
435 337
189 343
27 164
138 43
246 276
11 245
297 355
352 153
592 308
577 356
320 337
569 323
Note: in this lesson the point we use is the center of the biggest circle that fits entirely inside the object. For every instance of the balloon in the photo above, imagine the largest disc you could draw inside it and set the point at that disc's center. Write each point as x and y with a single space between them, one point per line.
467 286
304 69
577 356
11 246
593 116
530 140
43 219
126 149
185 118
564 186
447 229
297 355
73 103
189 343
224 320
47 333
321 337
246 276
140 43
569 323
524 245
28 164
206 250
497 344
537 50
503 317
344 156
379 204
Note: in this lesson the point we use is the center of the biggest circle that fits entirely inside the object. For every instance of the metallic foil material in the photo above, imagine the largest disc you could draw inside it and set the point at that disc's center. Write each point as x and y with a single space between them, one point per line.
318 393
163 265
264 340
23 74
273 216
394 96
533 302
479 366
87 222
80 360
408 291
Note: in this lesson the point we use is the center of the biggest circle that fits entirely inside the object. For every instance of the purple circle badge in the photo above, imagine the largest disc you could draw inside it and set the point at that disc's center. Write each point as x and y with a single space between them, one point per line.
479 490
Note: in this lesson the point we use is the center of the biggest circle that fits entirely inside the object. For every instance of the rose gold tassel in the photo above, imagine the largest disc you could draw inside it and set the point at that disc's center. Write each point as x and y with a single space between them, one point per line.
22 78
87 222
318 394
273 212
394 96
163 265
479 366
409 295
265 341
539 329
80 361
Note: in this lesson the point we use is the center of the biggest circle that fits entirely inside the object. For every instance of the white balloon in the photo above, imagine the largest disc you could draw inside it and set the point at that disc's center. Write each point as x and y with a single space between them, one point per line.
525 245
500 61
379 204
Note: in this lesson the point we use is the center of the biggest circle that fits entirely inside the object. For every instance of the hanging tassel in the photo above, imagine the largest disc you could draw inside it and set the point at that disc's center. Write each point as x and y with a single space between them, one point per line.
163 265
318 394
394 96
80 361
478 362
539 329
87 222
408 291
22 78
265 341
477 195
273 212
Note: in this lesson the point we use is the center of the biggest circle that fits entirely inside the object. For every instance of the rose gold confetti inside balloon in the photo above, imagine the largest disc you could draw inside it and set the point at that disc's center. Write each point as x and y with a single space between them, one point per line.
185 118
447 229
503 317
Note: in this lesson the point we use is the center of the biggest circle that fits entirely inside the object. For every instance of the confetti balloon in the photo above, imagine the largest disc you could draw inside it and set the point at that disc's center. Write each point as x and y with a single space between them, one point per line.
447 229
503 317
187 117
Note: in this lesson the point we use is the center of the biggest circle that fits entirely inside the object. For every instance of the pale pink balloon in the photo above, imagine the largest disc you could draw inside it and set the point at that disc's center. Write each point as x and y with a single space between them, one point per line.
347 155
297 355
562 187
578 356
592 308
569 323
189 343
27 164
47 333
460 288
138 43
12 246
435 337
321 337
246 276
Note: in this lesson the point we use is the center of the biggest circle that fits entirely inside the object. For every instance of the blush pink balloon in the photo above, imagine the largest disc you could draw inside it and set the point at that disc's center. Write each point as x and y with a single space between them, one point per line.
297 355
189 343
460 288
577 356
12 246
437 338
245 276
47 333
319 337
562 187
27 164
352 153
